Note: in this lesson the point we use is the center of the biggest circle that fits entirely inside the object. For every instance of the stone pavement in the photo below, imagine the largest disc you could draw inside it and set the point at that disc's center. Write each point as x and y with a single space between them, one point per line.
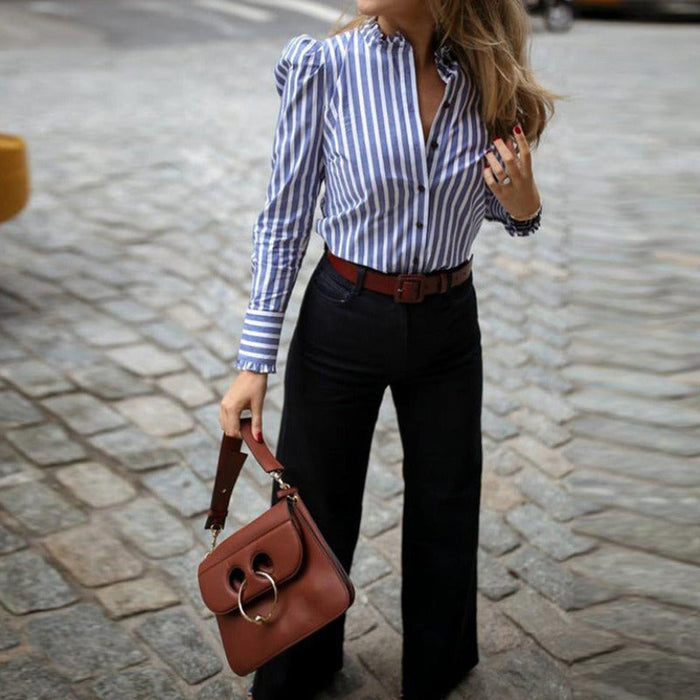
122 291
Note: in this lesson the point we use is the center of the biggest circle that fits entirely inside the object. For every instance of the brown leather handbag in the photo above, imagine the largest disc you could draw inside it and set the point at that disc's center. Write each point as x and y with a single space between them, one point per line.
275 580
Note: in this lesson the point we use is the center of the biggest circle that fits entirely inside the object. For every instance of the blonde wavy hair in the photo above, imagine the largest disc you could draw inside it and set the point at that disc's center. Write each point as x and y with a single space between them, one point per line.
490 40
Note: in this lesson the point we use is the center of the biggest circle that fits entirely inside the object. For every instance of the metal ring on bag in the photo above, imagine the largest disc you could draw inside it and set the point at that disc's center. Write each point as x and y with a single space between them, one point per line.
258 619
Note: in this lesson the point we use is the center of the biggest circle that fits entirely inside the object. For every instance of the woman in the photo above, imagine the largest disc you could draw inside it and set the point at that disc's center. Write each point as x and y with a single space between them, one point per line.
418 116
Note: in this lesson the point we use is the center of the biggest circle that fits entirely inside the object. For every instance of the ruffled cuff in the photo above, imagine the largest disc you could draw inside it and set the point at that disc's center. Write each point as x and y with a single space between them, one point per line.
256 365
524 227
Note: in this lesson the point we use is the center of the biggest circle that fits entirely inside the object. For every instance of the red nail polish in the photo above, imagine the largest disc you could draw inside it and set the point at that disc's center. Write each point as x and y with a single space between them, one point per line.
517 129
258 436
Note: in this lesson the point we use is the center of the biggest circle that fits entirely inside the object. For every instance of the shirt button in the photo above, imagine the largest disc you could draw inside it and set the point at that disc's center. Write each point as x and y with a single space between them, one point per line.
415 261
446 105
419 224
434 144
421 188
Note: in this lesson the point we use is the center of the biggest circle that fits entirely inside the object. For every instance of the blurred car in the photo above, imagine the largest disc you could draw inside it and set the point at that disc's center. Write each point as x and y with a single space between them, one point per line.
14 176
650 7
558 14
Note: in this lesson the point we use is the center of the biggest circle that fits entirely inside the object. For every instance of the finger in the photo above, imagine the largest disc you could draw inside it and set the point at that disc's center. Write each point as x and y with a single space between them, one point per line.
496 168
256 406
228 418
510 160
222 419
524 148
235 422
490 179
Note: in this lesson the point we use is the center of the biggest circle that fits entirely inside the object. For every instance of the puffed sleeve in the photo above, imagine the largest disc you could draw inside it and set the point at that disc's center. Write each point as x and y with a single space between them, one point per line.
282 229
495 211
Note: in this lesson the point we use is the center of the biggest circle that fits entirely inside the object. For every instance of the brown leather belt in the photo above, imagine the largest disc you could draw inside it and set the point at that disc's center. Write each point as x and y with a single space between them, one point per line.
406 287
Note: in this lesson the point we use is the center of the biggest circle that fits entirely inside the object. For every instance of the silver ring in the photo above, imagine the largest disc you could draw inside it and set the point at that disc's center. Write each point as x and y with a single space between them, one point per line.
506 180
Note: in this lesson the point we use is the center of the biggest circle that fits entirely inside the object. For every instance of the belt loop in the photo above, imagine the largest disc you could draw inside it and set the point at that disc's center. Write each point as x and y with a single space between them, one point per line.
449 279
360 279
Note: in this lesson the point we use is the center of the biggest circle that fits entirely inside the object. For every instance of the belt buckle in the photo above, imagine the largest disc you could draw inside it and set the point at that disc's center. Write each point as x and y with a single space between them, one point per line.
410 281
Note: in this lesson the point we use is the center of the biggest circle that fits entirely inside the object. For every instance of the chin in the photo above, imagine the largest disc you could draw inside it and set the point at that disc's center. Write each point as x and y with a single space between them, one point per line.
371 7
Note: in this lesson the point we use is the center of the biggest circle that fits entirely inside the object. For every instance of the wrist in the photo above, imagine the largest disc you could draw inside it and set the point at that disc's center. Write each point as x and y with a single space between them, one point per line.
530 216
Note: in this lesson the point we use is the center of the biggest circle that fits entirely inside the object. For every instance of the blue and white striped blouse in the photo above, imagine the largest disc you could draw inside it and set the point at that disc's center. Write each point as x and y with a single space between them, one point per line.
349 117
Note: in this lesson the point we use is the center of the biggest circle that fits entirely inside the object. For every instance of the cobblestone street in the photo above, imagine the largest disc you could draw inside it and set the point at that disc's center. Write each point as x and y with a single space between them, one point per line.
123 287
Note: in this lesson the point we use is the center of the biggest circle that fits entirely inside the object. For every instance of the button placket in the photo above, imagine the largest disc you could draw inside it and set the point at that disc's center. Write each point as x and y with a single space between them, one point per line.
436 128
445 66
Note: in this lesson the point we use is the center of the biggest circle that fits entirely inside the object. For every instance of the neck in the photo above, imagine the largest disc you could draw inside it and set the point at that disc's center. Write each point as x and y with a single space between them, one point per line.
419 32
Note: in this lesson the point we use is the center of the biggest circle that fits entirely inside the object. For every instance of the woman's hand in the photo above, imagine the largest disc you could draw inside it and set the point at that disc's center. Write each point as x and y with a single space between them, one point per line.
519 197
247 391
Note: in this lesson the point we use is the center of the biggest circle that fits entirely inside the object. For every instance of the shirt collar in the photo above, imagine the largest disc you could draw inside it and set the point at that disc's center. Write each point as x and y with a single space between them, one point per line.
374 36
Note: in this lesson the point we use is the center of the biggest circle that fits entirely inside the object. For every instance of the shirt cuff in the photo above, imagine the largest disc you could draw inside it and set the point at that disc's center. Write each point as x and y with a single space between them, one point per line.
255 366
260 339
524 227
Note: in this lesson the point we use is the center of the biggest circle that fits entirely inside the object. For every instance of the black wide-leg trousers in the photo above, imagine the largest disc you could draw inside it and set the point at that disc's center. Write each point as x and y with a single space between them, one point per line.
348 345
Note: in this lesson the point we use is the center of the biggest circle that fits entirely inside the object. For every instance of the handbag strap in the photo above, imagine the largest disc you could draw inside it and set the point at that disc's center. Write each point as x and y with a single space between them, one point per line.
230 463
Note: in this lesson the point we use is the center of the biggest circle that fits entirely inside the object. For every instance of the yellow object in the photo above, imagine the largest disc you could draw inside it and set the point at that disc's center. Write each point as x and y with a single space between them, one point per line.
14 176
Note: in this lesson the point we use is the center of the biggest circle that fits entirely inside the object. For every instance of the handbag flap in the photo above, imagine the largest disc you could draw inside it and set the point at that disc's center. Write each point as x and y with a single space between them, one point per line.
276 534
